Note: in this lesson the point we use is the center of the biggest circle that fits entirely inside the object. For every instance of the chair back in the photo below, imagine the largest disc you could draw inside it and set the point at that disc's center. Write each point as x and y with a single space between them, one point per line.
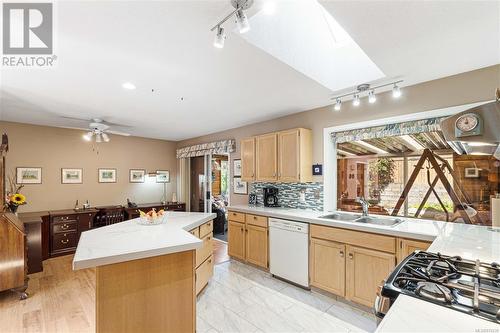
109 215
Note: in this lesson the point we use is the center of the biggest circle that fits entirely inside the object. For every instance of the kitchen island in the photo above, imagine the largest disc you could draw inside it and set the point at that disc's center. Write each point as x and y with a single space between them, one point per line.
145 275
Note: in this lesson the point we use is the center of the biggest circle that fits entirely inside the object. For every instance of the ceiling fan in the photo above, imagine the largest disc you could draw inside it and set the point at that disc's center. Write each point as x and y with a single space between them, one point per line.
99 129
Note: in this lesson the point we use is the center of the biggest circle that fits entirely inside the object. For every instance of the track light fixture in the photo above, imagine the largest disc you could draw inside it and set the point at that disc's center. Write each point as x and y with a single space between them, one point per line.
241 21
361 89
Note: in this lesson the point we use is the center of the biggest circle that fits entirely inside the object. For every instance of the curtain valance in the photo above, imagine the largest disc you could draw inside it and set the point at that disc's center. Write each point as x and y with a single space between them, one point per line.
217 147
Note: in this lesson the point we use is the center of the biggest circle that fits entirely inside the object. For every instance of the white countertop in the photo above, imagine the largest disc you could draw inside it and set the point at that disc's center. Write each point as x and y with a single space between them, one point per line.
129 240
468 241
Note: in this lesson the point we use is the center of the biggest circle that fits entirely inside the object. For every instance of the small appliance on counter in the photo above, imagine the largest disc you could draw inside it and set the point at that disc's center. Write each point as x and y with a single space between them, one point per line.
271 197
468 286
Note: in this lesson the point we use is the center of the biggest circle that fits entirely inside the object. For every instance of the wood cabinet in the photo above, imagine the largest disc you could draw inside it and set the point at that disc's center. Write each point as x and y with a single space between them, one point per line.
13 269
248 240
247 147
204 262
284 156
408 246
327 266
365 271
267 157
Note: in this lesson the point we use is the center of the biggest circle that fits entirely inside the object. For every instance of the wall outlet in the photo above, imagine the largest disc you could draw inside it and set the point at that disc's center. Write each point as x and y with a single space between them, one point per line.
302 196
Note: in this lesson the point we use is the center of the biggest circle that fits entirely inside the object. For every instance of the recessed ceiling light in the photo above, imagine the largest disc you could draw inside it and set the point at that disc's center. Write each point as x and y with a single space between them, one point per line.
269 7
128 86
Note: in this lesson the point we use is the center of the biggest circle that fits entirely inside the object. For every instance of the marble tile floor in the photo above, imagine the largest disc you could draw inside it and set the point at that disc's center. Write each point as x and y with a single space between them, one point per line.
241 298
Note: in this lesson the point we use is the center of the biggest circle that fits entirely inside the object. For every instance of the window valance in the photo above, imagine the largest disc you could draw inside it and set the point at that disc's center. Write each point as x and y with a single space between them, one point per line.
217 147
405 128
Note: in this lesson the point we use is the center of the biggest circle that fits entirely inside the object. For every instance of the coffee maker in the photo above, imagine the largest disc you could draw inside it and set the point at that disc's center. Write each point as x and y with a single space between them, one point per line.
271 197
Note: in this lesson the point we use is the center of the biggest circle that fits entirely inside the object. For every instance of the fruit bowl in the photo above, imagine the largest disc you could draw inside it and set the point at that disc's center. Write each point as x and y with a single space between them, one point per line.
152 217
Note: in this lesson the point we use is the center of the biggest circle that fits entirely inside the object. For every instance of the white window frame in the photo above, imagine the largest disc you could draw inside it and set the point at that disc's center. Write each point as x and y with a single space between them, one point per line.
330 150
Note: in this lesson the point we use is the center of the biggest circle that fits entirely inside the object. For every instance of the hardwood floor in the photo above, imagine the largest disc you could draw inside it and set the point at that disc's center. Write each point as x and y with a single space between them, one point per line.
60 300
220 251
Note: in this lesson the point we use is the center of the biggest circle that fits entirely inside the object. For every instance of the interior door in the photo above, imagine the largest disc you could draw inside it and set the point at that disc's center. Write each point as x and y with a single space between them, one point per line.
207 186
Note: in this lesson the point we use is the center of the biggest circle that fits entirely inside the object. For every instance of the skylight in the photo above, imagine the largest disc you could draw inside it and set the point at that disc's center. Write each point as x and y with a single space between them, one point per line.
302 34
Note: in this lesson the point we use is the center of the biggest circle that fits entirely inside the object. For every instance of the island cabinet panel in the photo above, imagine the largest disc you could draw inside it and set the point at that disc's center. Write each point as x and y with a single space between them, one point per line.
204 255
203 274
365 271
247 147
256 245
130 296
408 246
206 229
327 266
205 251
267 157
236 239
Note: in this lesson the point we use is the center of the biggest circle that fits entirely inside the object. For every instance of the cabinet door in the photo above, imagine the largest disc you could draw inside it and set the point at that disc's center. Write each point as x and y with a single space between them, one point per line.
366 269
267 157
408 246
205 251
236 239
256 241
247 159
327 266
289 156
203 274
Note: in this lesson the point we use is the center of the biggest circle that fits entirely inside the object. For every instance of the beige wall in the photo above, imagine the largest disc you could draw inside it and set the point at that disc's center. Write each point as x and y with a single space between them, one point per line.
475 86
54 148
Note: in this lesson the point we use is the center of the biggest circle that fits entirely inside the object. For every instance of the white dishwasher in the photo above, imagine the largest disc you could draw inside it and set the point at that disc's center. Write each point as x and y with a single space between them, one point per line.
289 250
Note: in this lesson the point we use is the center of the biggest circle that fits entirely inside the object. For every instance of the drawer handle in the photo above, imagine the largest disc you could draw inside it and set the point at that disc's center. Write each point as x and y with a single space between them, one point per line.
64 226
241 229
209 261
65 241
350 256
342 254
255 217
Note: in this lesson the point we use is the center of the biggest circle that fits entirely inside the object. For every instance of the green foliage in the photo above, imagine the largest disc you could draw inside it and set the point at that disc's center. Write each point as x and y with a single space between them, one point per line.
436 206
381 174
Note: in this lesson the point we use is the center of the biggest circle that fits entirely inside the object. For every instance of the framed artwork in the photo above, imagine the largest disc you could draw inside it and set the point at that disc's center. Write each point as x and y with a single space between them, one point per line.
471 172
162 176
240 187
28 175
71 176
107 175
237 168
137 175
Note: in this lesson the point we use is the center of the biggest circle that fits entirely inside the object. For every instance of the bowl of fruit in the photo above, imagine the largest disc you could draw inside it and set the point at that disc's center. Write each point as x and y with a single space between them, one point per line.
152 217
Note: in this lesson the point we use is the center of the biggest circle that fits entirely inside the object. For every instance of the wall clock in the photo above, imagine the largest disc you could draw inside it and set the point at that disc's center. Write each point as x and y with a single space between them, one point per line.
468 124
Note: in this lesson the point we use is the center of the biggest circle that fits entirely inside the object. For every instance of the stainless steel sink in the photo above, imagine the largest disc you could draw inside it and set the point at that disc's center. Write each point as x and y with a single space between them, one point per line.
385 221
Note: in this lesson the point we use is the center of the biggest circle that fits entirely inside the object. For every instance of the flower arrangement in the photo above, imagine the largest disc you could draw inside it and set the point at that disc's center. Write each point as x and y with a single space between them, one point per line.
14 198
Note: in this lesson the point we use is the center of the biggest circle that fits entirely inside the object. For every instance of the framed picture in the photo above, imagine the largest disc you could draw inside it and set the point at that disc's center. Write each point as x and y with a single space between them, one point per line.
107 175
240 187
162 176
471 173
237 168
137 175
71 176
28 175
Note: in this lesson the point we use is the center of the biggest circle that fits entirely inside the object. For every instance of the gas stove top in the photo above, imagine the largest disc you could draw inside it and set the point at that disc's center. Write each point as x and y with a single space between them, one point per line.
469 286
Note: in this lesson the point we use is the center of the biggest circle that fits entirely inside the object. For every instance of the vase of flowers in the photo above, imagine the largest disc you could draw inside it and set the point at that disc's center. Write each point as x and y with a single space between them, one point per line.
14 198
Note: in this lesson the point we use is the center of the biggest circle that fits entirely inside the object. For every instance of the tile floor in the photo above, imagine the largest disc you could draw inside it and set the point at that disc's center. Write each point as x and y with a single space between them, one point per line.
240 298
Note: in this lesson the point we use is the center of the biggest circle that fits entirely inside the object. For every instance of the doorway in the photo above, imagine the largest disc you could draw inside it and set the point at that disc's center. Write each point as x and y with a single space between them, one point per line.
220 194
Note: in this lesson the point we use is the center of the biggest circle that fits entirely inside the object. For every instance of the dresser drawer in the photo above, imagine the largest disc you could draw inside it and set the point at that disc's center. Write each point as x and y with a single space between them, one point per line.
206 228
64 218
203 273
259 221
64 226
205 251
64 241
237 217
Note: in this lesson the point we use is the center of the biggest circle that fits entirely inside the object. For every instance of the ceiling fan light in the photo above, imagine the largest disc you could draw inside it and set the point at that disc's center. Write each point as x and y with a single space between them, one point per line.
105 137
220 37
98 138
88 136
242 21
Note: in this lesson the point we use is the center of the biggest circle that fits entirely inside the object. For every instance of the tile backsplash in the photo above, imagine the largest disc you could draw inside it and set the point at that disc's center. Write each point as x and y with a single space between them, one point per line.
289 194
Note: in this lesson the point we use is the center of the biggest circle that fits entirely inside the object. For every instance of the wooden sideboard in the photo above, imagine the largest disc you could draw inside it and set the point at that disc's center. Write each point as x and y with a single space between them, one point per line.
133 212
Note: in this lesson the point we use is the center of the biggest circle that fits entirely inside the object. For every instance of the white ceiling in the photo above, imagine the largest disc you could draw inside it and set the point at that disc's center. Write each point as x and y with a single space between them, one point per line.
198 89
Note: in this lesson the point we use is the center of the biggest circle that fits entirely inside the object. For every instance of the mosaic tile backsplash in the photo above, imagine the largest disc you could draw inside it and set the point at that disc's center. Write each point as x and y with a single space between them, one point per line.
289 194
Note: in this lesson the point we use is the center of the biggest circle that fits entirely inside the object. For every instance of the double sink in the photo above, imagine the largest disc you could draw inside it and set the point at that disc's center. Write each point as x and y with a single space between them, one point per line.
356 218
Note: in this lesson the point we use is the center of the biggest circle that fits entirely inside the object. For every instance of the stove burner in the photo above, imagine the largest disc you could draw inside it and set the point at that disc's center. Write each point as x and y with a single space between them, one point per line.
433 291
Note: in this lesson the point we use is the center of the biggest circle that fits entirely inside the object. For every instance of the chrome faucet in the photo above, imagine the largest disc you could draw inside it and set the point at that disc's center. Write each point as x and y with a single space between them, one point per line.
364 205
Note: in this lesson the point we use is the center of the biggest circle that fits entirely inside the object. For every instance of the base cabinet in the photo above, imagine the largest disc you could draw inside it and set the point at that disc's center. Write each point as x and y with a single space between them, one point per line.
365 271
408 246
256 245
327 266
236 239
204 259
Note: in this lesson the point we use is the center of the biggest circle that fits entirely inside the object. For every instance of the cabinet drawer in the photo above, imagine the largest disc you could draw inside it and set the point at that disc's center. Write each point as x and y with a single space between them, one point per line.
237 217
64 227
205 251
195 232
206 228
358 238
63 241
204 273
64 218
259 221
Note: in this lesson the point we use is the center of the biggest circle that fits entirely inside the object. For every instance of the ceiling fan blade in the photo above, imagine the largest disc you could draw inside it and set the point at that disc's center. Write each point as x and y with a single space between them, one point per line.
75 118
117 133
78 128
109 123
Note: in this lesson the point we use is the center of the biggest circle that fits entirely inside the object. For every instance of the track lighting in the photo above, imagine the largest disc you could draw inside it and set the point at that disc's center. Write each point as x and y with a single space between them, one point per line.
219 38
242 21
371 97
356 101
338 104
396 92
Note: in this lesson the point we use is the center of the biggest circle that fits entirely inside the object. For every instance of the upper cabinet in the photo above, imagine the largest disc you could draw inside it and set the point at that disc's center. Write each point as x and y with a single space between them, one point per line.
284 156
248 159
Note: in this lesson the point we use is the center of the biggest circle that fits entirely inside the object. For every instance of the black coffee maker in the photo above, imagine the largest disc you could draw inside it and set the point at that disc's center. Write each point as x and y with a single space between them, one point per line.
271 197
